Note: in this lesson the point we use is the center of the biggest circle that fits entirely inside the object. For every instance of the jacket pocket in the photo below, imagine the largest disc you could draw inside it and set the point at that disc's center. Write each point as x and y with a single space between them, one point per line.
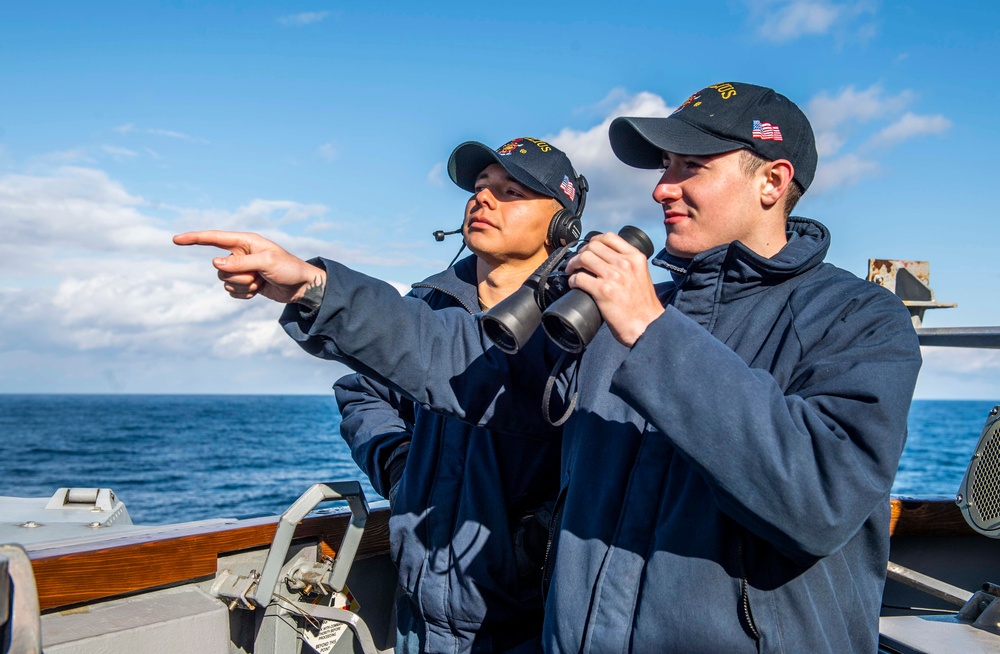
531 542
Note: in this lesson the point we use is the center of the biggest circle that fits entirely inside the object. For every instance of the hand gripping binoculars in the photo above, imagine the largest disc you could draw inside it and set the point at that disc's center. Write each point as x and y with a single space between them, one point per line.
569 316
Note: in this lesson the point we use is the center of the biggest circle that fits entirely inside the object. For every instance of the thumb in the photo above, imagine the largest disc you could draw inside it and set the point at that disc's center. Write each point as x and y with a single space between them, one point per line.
236 263
223 263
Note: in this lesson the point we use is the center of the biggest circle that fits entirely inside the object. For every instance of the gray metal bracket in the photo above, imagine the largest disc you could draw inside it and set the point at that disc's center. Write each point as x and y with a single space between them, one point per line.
930 585
20 603
352 620
910 281
341 490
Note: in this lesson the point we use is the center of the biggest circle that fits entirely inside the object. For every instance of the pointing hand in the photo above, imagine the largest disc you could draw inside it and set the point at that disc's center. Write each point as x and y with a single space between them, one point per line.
258 266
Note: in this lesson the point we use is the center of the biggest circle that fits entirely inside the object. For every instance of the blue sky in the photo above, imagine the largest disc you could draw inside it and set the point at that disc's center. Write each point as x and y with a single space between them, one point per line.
326 126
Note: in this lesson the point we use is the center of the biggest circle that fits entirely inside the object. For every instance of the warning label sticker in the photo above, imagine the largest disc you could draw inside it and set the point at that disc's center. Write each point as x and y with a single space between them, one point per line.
326 638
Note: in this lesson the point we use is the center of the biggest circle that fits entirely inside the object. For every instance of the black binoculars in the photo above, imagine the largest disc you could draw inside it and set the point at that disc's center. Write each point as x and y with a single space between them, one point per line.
569 316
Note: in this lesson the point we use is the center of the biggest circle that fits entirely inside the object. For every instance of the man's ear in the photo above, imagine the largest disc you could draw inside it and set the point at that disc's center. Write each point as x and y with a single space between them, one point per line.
778 177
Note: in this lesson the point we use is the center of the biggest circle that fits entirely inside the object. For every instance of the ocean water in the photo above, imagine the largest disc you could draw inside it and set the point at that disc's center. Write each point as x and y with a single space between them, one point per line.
175 458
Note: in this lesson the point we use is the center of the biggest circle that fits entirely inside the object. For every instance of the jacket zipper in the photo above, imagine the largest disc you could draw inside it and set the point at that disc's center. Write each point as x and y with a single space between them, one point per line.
450 294
745 592
553 524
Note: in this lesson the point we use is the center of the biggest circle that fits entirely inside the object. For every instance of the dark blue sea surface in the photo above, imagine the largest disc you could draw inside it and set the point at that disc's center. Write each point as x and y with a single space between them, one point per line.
942 436
174 458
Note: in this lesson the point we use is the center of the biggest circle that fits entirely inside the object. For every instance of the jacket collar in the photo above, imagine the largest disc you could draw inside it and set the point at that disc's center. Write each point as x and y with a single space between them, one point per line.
703 284
808 242
459 281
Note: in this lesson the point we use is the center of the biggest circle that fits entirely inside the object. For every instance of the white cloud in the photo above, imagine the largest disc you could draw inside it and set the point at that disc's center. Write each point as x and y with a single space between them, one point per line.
799 19
264 216
173 134
119 153
272 212
787 20
829 142
841 172
62 158
962 360
250 338
86 272
328 151
436 175
132 296
835 117
304 18
399 286
269 218
77 208
909 126
130 128
958 373
320 226
619 194
846 120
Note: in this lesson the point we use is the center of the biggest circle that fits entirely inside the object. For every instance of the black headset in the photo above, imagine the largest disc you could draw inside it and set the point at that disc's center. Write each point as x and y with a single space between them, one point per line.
566 227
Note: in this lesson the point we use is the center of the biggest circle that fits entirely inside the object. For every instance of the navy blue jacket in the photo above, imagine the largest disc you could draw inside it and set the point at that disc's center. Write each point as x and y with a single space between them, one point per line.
461 500
725 481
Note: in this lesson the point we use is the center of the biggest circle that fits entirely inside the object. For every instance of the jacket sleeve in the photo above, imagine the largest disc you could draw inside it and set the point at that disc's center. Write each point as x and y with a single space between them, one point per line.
438 358
377 424
801 465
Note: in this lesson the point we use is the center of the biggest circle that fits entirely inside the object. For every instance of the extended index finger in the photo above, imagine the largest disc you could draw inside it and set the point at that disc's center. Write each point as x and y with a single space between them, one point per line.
232 241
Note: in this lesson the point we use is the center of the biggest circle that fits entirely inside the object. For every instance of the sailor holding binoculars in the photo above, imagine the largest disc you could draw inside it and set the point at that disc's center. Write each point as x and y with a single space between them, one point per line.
726 472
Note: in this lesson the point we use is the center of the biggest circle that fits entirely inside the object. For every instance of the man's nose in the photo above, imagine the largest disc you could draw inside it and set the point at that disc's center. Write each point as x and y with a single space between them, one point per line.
486 198
666 190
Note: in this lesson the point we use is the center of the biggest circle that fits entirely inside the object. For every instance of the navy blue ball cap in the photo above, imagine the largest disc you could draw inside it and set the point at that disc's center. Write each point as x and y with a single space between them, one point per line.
534 163
722 118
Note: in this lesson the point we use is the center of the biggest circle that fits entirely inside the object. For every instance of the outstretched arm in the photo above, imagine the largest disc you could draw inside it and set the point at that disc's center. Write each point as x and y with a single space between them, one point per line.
259 266
439 359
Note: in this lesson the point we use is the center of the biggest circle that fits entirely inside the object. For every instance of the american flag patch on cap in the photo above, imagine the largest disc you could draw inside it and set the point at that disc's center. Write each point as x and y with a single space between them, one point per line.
568 188
766 131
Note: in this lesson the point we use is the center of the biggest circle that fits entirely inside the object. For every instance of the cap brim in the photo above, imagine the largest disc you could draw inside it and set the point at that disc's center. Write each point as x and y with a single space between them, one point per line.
641 142
470 158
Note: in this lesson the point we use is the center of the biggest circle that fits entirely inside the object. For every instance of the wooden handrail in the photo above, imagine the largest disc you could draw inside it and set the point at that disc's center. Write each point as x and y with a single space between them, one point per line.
72 575
927 517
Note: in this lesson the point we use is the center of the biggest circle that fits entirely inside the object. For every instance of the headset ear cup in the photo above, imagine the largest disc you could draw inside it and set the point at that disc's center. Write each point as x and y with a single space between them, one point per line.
564 228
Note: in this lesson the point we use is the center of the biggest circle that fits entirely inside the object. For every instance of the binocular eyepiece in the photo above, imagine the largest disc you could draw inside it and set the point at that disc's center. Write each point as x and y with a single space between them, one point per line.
569 316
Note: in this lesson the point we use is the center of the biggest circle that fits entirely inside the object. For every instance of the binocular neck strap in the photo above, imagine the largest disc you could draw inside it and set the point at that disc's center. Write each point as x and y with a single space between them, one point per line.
550 384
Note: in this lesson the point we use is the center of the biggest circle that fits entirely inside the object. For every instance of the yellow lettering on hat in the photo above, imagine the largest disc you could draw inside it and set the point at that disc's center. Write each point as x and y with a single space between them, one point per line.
726 90
542 145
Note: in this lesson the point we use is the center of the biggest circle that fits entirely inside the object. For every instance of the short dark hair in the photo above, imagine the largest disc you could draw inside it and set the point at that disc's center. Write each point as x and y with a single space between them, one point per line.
751 161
